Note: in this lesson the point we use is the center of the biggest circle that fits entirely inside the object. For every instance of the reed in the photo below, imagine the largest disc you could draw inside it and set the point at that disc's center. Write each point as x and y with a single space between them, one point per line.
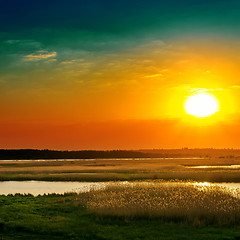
198 204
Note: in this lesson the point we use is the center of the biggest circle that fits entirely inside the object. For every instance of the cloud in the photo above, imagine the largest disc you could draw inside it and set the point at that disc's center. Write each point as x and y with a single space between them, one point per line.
23 43
39 55
235 87
71 61
200 90
68 62
154 75
52 60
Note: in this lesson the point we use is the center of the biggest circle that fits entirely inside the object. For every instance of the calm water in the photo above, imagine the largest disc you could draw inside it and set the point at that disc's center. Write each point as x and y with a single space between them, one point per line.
217 166
43 187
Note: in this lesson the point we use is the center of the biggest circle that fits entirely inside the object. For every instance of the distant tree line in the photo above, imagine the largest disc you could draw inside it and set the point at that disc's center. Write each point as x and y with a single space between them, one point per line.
8 154
51 154
195 152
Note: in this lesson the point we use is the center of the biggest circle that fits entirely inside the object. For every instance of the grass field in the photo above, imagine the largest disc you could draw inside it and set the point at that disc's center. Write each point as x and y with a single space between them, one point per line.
111 169
62 217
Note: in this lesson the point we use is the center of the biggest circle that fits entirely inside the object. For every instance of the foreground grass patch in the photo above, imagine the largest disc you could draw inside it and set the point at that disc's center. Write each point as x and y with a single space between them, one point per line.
198 204
61 217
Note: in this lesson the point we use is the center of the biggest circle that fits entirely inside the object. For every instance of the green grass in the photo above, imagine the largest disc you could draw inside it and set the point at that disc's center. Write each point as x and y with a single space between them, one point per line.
62 217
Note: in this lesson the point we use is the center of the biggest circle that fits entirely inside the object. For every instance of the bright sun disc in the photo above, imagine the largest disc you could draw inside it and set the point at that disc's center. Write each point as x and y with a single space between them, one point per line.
201 105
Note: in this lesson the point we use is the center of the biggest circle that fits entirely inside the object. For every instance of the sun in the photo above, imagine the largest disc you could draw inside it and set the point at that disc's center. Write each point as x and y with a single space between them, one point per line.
201 105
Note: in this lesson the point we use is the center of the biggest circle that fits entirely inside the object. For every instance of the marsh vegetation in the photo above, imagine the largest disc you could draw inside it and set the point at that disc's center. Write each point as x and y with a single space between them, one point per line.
61 217
122 169
146 208
195 203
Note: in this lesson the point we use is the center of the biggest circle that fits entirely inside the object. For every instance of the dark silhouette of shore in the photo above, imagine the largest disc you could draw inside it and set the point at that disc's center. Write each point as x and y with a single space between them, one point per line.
10 154
51 154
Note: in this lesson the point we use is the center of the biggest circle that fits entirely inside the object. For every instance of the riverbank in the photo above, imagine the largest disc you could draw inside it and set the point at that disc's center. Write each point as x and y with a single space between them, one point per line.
59 217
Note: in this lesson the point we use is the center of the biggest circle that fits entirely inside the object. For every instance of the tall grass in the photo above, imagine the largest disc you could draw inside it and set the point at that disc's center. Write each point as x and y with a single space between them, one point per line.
198 204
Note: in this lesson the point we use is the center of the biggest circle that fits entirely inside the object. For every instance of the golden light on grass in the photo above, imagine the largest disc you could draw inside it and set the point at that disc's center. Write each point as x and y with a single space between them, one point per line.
201 105
199 204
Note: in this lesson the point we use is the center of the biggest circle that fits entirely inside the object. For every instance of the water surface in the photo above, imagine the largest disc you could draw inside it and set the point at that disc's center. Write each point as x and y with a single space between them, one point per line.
216 166
44 187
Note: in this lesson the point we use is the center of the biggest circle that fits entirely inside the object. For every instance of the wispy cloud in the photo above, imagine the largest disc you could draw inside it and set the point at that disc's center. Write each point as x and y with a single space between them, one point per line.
68 62
235 86
154 75
200 90
74 61
23 44
39 55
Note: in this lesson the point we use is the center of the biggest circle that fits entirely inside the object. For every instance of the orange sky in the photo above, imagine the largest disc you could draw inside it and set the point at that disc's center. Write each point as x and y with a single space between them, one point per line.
133 100
128 134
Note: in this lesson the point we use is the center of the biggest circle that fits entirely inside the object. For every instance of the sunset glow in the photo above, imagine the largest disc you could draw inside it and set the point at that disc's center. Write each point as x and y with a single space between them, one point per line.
201 105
